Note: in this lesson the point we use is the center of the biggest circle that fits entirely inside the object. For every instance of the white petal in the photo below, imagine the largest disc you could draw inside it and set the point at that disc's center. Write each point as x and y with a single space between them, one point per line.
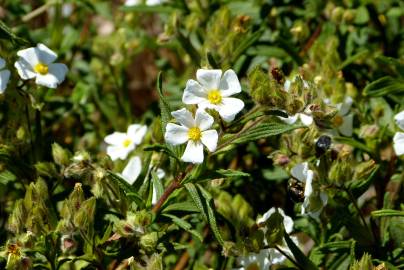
59 71
229 108
193 152
118 152
160 173
209 78
347 125
45 55
136 132
399 118
116 138
286 85
203 120
344 107
184 117
307 120
209 139
289 120
207 105
176 134
299 171
266 215
132 170
308 187
4 78
24 69
132 2
30 56
194 93
229 84
398 145
48 80
153 2
2 63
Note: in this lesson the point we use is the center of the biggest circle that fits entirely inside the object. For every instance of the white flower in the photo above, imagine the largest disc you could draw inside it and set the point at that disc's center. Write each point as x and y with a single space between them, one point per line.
132 171
139 2
121 144
398 143
37 62
213 91
255 261
399 118
194 131
344 120
314 200
4 75
275 256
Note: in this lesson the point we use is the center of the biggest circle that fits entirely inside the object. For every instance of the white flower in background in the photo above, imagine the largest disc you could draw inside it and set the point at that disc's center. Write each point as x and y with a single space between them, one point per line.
195 131
314 200
255 261
4 76
121 144
398 139
37 62
139 2
213 91
343 120
305 117
276 257
132 171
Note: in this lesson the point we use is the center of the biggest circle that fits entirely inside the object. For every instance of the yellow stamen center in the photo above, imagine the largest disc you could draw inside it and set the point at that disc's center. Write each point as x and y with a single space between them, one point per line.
338 120
41 69
127 142
194 134
214 96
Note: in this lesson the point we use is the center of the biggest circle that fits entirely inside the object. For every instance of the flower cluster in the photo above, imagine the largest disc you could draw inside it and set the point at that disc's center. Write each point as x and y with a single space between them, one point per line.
212 90
35 62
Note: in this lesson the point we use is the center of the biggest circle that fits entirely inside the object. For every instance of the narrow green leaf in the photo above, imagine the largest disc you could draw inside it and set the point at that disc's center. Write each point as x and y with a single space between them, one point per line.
211 214
246 43
384 86
126 188
161 148
354 143
301 259
181 207
387 213
157 184
232 173
359 186
196 198
185 225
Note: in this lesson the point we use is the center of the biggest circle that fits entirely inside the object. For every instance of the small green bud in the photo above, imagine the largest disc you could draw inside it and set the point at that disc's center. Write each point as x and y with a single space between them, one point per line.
46 169
336 14
68 244
17 219
155 262
60 155
349 15
365 263
364 170
84 217
20 133
340 172
369 131
148 242
229 249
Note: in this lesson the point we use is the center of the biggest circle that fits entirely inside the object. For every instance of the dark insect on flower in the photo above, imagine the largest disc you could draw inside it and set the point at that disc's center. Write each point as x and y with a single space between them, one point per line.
322 145
296 190
278 75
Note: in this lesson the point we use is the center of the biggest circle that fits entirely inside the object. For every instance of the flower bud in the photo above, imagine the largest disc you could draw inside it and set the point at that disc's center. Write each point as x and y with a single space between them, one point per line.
68 244
148 242
60 155
340 172
84 217
336 14
369 131
364 170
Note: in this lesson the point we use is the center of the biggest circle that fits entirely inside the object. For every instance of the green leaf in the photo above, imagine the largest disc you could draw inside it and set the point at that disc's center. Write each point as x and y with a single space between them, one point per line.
301 259
211 214
246 43
126 188
387 213
7 34
184 225
232 173
164 107
205 207
359 186
353 58
181 207
384 86
261 131
161 148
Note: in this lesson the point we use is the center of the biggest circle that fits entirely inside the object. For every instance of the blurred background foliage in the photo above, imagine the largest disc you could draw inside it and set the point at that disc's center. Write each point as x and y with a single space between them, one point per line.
114 54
